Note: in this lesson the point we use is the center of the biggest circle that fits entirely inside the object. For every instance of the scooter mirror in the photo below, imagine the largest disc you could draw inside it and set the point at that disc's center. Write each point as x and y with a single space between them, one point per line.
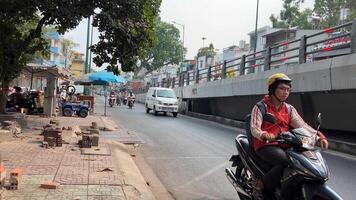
318 119
268 117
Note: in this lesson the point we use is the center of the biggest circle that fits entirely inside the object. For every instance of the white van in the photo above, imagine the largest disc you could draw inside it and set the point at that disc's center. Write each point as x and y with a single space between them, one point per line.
161 100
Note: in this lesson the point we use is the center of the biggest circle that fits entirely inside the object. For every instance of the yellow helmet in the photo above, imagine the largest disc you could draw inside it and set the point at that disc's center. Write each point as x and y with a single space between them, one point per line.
277 77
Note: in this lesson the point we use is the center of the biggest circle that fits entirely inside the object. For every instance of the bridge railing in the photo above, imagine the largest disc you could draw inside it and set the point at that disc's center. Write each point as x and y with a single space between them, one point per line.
301 50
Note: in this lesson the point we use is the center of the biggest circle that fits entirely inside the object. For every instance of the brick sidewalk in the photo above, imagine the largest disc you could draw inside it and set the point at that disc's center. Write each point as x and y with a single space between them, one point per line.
80 176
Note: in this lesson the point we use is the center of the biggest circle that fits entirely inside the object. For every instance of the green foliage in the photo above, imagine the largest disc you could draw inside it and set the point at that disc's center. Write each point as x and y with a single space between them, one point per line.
126 29
327 10
168 48
207 51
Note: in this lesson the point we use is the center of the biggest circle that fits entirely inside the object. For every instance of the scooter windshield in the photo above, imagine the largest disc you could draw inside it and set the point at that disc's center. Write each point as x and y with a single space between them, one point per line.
307 138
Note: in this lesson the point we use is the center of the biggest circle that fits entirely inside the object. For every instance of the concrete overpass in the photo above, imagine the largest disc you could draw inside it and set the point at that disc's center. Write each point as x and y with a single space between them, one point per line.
327 86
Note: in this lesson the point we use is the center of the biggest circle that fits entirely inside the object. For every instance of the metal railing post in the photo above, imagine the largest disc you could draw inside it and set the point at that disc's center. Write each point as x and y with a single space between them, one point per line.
180 82
242 65
173 82
197 76
302 49
267 64
223 70
353 37
208 75
188 78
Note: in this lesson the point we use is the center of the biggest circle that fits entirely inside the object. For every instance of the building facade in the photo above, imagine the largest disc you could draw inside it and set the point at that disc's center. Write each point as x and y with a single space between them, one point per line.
77 64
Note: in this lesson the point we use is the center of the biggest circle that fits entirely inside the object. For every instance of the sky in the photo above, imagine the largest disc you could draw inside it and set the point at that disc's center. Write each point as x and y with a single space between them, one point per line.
222 22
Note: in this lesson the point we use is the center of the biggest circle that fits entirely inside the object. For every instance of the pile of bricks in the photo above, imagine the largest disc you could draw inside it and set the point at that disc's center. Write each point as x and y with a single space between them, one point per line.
90 137
52 135
15 179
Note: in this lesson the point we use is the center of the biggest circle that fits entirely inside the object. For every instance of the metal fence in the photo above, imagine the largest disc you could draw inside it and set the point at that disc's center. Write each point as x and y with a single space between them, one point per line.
271 57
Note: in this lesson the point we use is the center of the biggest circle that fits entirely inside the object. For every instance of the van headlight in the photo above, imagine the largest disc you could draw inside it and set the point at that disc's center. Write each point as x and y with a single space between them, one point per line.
160 102
176 103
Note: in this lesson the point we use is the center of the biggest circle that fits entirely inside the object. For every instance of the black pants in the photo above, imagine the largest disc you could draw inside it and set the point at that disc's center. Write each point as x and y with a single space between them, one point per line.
277 158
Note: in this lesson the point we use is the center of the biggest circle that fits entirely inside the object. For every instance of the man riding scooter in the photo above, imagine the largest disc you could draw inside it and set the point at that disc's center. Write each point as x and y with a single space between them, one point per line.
265 133
131 99
112 99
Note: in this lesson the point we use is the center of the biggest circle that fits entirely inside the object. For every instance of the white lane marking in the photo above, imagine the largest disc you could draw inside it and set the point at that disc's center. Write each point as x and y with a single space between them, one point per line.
340 154
202 176
186 157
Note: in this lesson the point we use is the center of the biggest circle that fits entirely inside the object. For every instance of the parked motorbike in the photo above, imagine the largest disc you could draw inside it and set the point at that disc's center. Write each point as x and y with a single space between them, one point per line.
304 178
124 101
112 100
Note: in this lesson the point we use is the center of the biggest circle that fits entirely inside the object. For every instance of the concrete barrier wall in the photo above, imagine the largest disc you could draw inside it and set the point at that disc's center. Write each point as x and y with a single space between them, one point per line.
326 86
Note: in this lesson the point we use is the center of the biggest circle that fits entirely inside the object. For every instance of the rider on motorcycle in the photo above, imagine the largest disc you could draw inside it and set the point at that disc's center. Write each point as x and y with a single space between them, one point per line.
264 133
131 97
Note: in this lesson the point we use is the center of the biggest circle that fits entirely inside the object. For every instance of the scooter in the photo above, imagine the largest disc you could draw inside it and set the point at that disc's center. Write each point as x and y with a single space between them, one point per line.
304 178
124 101
112 100
131 102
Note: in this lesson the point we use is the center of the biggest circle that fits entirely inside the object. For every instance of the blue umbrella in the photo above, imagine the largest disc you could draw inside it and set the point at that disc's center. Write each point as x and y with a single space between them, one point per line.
105 77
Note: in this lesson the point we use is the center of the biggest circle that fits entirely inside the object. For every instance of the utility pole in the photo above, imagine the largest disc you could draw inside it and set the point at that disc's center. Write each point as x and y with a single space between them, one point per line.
86 69
91 43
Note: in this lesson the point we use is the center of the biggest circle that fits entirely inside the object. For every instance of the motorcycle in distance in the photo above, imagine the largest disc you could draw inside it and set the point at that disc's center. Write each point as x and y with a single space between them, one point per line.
130 102
304 178
124 101
112 100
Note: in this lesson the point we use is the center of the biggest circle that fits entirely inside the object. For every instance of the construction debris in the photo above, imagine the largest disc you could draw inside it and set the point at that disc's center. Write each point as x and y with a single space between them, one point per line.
50 185
105 170
15 179
12 126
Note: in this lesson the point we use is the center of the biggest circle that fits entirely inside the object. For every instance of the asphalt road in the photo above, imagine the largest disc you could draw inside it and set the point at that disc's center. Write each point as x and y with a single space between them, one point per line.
189 155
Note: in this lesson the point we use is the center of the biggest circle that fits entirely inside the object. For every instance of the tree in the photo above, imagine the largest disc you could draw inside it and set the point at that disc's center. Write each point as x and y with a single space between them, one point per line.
328 11
168 49
207 51
126 29
287 16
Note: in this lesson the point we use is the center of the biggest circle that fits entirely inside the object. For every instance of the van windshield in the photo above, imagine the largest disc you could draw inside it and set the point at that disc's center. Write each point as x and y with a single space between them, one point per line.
166 94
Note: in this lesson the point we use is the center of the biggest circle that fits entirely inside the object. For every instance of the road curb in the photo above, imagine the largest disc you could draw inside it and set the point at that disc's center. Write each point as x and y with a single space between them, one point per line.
131 174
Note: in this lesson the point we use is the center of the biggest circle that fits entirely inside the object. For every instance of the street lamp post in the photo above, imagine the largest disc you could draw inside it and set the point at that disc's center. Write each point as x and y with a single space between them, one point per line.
203 38
255 43
183 26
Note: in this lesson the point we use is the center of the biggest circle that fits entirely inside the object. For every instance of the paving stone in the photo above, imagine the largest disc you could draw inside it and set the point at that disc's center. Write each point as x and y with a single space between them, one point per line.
36 179
24 197
17 146
28 190
47 158
65 197
75 160
106 198
70 191
104 190
69 175
105 178
41 169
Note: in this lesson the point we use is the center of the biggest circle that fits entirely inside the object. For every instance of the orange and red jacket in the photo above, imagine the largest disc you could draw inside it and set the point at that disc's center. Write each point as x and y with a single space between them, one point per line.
285 119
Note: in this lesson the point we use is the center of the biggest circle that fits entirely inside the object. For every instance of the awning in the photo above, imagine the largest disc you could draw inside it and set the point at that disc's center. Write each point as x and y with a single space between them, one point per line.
37 70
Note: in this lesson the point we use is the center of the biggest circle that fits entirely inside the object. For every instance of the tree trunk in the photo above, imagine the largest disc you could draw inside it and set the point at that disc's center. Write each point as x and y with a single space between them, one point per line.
3 96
